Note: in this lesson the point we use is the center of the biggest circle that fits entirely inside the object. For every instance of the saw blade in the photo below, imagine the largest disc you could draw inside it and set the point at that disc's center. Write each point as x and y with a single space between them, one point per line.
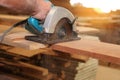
63 29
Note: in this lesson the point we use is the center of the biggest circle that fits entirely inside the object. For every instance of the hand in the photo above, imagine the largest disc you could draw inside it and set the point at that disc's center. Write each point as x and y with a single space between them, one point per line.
41 9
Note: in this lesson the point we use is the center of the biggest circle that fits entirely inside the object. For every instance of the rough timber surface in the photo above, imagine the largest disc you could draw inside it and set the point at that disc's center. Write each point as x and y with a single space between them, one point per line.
95 49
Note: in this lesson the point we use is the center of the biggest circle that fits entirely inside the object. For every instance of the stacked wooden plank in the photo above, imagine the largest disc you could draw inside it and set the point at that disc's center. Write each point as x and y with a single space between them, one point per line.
67 68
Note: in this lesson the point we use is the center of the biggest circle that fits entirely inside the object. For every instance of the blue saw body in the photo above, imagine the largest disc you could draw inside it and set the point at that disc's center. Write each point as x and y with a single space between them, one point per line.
34 25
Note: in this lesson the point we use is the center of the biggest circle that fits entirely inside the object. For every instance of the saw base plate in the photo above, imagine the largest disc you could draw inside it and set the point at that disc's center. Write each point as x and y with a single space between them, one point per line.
47 39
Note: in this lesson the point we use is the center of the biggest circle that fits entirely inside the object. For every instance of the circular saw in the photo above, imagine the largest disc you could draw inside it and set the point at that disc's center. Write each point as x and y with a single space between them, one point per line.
57 27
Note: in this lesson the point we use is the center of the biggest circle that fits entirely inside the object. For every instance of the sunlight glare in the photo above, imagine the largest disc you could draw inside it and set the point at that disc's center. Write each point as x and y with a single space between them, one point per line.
98 5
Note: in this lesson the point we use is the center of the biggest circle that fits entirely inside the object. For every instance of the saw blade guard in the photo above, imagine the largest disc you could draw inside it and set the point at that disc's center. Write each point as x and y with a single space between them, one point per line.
54 16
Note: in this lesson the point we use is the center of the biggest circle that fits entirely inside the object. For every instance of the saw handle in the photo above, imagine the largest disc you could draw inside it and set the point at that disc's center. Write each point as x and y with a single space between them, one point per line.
34 25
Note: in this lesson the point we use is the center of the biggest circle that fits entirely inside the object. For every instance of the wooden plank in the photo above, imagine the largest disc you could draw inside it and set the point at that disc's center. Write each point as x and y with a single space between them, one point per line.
95 49
17 40
43 71
21 51
26 68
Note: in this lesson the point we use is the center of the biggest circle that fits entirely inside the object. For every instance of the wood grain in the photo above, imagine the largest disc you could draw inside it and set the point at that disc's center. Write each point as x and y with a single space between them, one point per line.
95 49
